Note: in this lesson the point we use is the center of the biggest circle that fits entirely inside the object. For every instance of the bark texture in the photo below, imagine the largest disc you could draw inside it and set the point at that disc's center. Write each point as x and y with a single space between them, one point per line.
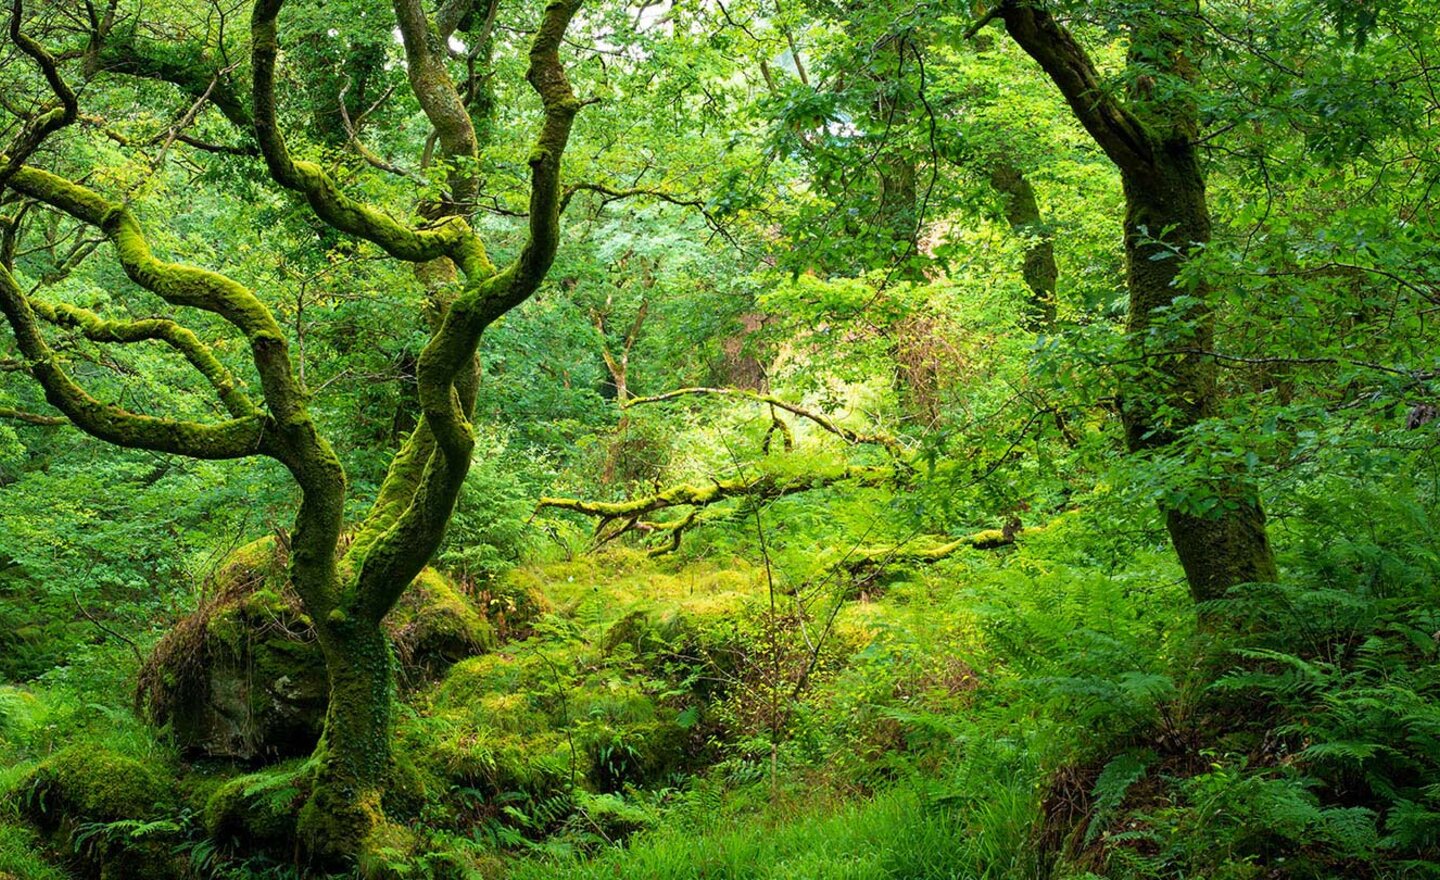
1152 143
346 591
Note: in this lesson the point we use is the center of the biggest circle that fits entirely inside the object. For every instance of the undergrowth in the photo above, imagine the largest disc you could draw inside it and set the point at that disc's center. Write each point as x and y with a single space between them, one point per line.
1055 711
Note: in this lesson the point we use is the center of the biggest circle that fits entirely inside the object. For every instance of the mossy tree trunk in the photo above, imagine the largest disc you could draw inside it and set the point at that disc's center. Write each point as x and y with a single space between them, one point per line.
1153 144
346 591
1022 213
353 758
1217 552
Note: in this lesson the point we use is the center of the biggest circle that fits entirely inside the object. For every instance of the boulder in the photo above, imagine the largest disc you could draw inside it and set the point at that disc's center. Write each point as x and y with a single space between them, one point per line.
105 811
243 677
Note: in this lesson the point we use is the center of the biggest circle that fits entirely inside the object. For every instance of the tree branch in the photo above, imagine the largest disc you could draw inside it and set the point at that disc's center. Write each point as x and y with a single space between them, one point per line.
30 418
438 97
754 488
866 558
418 494
451 237
36 130
849 435
237 438
197 353
1118 132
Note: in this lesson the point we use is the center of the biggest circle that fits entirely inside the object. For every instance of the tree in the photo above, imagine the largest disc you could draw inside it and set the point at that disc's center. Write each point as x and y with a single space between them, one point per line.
1151 137
346 586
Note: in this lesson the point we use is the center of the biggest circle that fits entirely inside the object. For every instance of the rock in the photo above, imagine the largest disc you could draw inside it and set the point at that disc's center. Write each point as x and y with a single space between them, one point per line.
243 677
75 789
434 626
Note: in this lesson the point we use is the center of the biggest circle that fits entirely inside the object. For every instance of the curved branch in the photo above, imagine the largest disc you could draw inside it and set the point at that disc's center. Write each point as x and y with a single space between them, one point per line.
451 237
438 97
176 283
546 76
181 65
989 539
612 194
179 284
181 339
237 438
849 435
287 433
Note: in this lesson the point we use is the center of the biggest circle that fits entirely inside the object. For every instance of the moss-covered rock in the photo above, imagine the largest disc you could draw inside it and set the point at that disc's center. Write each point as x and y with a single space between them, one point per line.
95 785
256 812
627 737
434 626
519 723
243 676
77 796
512 603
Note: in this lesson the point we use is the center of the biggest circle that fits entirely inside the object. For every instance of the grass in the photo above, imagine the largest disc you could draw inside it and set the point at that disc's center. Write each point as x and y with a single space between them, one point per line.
905 833
20 856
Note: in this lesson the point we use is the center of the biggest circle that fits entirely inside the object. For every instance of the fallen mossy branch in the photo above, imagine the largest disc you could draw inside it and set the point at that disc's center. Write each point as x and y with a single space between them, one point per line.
754 488
902 554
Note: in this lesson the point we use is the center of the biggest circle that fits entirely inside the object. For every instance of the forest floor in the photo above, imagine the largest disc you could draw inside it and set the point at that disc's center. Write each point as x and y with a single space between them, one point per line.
1045 710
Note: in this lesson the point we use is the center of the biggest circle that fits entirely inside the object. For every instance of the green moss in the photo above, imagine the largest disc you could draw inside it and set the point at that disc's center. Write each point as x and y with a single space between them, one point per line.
334 824
470 680
625 754
90 785
408 789
256 812
434 625
635 629
387 852
612 702
613 817
80 789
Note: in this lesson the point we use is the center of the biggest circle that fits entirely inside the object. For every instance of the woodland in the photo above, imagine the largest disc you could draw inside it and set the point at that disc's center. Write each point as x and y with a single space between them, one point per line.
719 439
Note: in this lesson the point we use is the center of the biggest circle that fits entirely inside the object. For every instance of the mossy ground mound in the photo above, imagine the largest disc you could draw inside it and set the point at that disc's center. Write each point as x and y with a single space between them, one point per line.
243 676
609 696
105 812
575 729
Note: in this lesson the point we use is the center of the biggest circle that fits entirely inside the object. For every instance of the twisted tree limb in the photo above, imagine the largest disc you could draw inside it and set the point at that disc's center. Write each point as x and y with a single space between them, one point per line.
197 353
754 488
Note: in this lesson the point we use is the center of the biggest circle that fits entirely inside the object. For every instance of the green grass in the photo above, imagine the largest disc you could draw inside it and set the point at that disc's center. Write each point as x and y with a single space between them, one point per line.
20 856
901 834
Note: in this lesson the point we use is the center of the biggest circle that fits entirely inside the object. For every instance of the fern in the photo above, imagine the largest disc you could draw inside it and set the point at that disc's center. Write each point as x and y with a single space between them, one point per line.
1115 780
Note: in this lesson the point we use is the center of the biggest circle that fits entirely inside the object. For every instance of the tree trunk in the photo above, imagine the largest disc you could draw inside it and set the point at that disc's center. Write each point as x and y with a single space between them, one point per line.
1167 216
353 758
1022 212
1152 143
